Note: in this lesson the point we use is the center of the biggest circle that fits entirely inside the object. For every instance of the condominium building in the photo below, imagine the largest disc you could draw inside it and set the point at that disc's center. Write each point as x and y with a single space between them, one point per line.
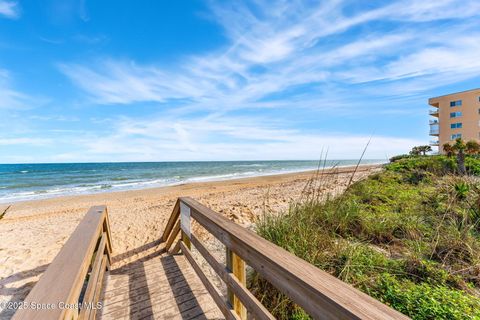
456 115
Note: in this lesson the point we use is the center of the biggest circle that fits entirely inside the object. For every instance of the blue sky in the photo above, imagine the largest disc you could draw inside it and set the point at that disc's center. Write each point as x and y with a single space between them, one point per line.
152 80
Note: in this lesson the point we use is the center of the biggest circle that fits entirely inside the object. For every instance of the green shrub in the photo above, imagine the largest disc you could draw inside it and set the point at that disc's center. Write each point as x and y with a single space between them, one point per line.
408 236
399 157
472 163
426 301
438 165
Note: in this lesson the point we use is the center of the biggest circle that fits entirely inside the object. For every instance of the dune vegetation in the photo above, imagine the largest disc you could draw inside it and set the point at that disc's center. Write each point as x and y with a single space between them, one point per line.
408 236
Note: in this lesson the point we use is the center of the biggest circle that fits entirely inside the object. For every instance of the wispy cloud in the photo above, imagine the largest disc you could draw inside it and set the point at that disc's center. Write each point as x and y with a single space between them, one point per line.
11 98
225 138
211 137
421 11
287 56
24 141
9 9
278 48
125 82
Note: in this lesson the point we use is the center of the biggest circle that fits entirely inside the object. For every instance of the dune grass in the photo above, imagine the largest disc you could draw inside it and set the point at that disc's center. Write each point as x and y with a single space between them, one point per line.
408 236
4 212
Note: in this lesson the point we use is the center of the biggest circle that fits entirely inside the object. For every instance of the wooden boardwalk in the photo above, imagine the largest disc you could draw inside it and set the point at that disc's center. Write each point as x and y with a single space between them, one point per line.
155 282
159 287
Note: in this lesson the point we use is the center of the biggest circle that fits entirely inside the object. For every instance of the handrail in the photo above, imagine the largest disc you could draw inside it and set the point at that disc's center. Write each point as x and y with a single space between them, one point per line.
172 220
320 294
64 291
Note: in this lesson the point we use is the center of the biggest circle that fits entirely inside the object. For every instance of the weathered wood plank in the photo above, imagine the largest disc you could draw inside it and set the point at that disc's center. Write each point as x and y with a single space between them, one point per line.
149 285
226 310
98 286
151 263
186 240
236 265
238 287
94 275
317 292
172 220
168 288
106 228
173 235
63 279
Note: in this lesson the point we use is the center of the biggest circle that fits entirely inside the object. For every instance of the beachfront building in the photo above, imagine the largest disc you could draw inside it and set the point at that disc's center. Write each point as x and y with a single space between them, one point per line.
455 115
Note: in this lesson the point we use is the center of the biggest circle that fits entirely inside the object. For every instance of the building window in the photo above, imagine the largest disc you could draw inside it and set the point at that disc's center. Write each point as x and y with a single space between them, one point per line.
457 125
456 136
455 114
456 103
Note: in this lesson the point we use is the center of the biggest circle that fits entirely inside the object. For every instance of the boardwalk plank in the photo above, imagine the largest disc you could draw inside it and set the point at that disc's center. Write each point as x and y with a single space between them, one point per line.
164 287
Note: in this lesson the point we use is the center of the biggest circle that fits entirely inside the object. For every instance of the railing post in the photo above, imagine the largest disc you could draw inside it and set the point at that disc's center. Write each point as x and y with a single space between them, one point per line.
186 240
237 266
185 224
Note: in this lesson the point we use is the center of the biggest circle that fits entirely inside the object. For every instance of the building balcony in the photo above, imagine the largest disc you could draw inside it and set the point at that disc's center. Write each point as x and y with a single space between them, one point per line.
433 112
434 143
434 127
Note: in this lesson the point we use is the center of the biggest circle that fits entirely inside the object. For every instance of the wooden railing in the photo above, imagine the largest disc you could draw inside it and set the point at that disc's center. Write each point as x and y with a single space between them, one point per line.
317 292
70 287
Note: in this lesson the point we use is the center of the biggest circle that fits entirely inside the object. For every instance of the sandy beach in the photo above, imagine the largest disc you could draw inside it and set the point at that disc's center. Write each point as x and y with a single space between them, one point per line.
33 232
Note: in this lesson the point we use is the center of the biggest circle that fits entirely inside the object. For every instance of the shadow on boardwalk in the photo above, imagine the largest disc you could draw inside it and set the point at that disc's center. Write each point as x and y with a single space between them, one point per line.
159 286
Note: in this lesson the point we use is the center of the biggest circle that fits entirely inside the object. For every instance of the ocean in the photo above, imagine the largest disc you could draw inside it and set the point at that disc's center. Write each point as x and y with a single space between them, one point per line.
20 182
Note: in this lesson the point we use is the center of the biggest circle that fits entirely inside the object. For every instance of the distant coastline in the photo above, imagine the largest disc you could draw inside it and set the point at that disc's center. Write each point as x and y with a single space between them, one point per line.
24 182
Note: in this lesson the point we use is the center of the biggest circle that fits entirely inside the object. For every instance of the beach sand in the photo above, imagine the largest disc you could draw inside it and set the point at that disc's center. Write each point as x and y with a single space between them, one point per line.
32 232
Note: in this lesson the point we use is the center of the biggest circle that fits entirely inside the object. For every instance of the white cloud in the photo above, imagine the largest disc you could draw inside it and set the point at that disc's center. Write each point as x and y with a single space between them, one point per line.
125 82
460 56
9 9
296 147
279 47
226 138
24 141
422 11
9 97
273 51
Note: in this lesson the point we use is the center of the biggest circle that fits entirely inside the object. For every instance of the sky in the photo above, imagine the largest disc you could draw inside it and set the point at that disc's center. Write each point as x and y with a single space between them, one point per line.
88 81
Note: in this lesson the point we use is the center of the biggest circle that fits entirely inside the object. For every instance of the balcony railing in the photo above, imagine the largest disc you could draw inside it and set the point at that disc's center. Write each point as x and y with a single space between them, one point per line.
433 112
434 122
434 131
434 143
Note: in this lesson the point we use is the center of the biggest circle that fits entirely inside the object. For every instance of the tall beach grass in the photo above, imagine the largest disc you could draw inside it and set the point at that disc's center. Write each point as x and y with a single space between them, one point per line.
408 236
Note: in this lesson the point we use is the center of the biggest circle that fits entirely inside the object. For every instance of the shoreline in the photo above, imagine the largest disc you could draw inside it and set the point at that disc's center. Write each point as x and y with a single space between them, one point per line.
198 180
65 191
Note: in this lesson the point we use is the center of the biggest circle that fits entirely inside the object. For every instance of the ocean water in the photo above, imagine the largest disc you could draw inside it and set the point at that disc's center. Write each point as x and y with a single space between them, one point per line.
34 181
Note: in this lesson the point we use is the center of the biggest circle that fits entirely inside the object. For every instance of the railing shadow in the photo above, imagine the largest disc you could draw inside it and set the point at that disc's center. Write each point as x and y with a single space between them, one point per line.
18 294
157 285
185 298
138 250
138 304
